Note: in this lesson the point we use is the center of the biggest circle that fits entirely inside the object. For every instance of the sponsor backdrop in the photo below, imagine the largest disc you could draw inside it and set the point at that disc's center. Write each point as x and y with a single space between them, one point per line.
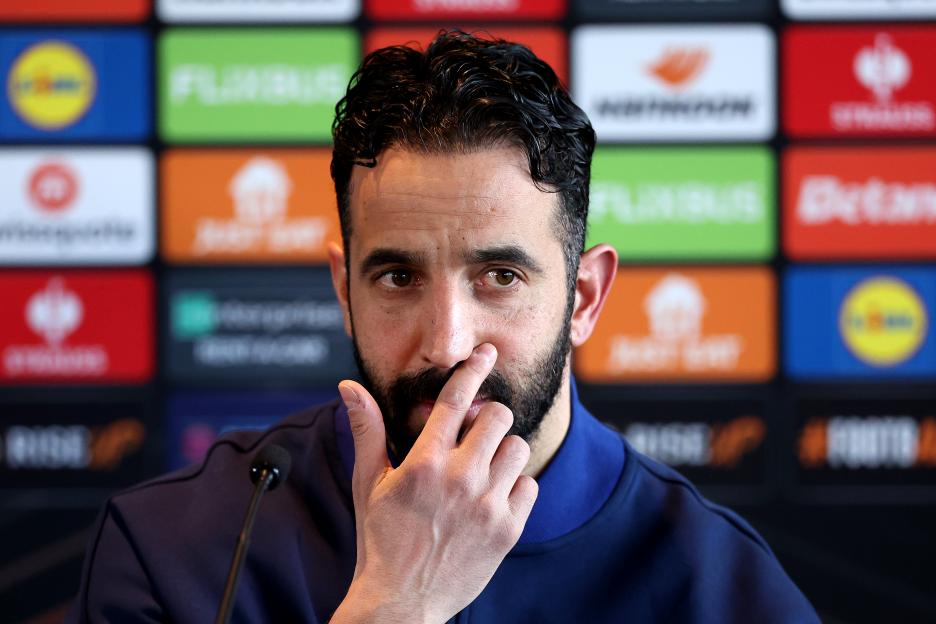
765 168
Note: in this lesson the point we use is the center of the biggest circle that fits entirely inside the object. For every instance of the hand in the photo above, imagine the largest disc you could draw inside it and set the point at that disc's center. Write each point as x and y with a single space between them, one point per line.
432 532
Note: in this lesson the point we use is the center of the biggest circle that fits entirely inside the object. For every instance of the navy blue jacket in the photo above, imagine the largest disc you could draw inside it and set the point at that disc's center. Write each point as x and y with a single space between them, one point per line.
613 537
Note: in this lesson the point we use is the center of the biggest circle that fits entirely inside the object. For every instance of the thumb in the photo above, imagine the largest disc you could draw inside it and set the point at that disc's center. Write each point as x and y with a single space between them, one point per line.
367 429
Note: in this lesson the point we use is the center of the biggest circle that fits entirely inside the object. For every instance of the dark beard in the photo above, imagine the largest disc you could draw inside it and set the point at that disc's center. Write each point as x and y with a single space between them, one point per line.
529 402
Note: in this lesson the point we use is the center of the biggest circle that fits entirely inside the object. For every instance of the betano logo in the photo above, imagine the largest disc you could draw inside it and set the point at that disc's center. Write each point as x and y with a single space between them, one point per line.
828 198
260 192
883 69
677 67
722 445
51 85
883 321
848 442
54 313
53 186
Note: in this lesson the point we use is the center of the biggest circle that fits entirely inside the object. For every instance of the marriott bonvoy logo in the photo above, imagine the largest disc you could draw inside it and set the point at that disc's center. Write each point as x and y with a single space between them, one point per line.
54 313
259 194
883 69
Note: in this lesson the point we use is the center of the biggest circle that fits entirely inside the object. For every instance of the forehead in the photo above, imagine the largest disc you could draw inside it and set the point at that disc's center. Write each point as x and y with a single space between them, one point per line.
412 198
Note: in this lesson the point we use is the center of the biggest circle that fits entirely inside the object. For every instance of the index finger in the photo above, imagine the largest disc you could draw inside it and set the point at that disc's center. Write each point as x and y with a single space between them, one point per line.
448 413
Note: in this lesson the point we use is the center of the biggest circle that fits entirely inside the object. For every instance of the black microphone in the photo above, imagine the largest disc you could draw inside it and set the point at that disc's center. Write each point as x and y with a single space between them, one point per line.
269 468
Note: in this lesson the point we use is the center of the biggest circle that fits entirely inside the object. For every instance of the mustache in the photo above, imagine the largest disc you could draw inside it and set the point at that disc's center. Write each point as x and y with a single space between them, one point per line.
426 385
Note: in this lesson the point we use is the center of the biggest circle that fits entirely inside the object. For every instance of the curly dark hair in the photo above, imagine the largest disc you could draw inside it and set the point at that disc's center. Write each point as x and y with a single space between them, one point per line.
462 93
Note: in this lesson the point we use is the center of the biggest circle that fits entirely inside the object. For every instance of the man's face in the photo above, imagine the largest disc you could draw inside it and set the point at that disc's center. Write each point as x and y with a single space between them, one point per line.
448 252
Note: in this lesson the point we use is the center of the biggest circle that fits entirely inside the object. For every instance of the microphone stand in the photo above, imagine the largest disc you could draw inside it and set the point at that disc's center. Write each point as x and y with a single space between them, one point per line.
266 477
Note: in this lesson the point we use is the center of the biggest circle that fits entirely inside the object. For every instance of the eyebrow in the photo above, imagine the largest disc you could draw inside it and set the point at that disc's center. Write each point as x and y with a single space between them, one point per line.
382 256
508 254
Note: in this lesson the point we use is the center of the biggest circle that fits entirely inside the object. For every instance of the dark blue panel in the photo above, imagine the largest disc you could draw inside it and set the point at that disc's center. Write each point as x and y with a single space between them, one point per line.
120 109
813 343
195 419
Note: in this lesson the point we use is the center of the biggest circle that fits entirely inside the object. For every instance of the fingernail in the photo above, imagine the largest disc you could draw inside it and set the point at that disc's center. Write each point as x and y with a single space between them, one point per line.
350 396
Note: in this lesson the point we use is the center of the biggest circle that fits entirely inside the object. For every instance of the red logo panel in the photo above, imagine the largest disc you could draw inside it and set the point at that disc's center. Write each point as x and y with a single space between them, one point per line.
464 9
70 10
875 203
859 81
76 326
548 43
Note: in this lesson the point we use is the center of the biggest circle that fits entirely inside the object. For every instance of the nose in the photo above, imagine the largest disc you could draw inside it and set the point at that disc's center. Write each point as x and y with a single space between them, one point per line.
447 331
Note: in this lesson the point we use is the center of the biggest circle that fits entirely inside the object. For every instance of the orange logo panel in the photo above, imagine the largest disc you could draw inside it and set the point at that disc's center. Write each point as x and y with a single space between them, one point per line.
248 205
875 203
684 324
81 11
549 44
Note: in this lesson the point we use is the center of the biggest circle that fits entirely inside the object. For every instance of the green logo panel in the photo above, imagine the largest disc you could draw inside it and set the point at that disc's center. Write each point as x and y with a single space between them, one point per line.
238 84
701 203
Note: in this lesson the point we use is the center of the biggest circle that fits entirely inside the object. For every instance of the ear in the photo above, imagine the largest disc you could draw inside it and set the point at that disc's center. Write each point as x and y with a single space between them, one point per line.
339 275
597 269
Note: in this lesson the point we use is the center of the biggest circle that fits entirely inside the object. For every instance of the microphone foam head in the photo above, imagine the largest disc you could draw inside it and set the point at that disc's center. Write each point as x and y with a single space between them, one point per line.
274 458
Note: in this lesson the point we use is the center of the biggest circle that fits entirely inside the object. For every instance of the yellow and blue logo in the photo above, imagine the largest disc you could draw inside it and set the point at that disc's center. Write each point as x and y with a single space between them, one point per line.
883 321
51 85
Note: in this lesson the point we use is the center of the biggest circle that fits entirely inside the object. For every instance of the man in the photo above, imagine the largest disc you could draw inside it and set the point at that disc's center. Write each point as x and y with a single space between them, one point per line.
462 480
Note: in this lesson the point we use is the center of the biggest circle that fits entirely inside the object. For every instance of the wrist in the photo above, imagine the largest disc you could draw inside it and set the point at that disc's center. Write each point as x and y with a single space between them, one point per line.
371 604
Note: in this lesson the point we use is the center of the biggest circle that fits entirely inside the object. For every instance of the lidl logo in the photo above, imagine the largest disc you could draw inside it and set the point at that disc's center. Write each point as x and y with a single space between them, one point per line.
859 322
683 324
51 85
860 202
683 203
883 321
862 81
75 84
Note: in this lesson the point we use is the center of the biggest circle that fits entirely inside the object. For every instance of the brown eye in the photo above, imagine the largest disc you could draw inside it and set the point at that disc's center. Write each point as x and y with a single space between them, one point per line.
503 277
401 279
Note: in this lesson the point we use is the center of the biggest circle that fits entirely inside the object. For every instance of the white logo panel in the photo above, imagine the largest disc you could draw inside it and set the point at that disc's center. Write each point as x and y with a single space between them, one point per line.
76 206
672 83
258 10
859 9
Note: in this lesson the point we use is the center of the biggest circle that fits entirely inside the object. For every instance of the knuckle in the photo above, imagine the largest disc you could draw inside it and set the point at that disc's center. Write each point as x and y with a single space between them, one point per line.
425 470
516 449
459 484
487 511
500 415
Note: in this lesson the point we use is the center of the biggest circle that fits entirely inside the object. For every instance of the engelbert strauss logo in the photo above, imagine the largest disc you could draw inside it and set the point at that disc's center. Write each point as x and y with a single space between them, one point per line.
51 85
54 313
883 68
